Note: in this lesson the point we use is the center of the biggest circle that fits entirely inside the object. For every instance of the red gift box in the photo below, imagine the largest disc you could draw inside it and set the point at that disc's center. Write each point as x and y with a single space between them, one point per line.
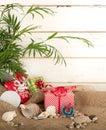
59 97
19 88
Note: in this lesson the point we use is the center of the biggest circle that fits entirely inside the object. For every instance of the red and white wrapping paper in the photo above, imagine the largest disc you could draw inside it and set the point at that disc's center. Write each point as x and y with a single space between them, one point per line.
59 97
19 88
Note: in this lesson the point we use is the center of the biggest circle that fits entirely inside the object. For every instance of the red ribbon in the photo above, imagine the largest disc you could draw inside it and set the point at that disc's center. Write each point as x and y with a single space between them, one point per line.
59 91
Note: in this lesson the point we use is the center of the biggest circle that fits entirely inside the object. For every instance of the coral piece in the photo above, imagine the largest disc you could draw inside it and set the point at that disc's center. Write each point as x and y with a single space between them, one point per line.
82 119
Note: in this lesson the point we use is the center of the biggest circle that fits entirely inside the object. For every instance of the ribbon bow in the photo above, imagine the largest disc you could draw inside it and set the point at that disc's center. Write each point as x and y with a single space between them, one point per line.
59 91
20 86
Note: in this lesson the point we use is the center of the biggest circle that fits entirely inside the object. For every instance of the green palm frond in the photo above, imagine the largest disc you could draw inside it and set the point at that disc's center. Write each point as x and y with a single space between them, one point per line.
38 10
11 22
52 36
67 39
25 30
9 8
44 50
34 48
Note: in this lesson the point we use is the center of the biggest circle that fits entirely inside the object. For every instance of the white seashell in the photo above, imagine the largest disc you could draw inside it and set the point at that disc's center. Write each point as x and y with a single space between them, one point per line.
30 110
43 115
51 110
8 116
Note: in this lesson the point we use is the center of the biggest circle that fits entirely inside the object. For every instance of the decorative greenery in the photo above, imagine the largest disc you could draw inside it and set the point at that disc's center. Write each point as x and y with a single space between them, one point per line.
11 33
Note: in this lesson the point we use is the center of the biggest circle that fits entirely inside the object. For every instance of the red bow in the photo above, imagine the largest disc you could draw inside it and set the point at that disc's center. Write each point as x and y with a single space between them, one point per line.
59 91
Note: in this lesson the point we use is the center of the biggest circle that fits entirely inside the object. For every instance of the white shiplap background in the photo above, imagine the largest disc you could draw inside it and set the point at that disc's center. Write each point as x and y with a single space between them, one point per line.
86 67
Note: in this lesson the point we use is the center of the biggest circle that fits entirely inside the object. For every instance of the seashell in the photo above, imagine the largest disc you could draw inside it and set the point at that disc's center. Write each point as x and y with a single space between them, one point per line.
30 110
43 115
9 116
51 110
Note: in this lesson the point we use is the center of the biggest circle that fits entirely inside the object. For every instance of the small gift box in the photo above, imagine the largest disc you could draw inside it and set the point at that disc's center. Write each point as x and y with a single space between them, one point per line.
59 97
36 84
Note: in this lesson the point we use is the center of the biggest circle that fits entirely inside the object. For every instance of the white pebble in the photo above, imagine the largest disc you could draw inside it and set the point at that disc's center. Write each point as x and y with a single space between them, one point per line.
71 127
94 119
82 127
78 126
79 114
10 123
72 118
56 116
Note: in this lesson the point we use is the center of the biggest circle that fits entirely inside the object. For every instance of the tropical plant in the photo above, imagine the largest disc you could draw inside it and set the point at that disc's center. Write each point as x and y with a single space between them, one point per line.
11 33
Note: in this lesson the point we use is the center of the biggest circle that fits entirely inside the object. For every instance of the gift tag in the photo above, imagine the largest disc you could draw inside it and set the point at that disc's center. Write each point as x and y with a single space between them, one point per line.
11 97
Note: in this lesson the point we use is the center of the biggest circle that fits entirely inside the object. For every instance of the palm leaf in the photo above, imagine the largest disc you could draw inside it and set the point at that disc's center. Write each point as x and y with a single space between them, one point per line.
25 30
38 10
12 23
52 36
9 8
66 38
44 50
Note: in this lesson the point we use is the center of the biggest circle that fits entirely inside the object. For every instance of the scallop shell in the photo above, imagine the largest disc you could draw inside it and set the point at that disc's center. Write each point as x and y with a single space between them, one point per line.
9 116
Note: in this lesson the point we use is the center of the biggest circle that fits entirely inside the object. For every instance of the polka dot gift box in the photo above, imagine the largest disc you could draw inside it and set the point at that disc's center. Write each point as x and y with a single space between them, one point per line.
59 97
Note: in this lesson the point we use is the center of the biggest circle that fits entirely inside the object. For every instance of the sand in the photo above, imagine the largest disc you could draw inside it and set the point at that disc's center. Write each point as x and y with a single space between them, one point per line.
90 102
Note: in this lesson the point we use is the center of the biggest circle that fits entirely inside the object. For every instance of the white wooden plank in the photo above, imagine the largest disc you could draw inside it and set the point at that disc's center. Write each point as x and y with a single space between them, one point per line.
89 19
77 70
75 19
55 2
75 48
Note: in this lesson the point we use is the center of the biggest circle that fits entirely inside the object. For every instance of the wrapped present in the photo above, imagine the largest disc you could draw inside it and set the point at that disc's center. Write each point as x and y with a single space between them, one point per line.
20 88
59 97
36 84
11 85
24 95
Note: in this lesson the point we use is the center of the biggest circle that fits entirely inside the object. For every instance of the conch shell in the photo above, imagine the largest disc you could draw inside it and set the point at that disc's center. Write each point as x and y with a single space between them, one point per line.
9 116
30 110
